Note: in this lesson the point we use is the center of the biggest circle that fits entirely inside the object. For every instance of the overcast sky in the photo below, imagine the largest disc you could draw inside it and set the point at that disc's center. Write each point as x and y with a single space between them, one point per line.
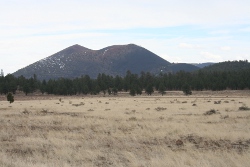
191 31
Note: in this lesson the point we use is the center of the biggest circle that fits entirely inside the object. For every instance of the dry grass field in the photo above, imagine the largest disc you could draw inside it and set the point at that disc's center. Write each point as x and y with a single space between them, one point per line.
205 129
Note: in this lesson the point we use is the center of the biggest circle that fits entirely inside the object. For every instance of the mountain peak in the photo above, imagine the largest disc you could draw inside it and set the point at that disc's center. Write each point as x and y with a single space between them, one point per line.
77 48
76 61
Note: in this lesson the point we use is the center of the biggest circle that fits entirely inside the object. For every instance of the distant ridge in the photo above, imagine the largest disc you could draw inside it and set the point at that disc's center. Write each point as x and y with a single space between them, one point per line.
76 61
228 66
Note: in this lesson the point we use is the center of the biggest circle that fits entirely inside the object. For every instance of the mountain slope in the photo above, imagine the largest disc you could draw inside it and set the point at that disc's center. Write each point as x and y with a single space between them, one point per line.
228 66
76 61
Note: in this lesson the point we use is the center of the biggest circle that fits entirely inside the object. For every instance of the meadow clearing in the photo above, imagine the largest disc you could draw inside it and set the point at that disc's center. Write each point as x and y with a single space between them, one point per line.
208 129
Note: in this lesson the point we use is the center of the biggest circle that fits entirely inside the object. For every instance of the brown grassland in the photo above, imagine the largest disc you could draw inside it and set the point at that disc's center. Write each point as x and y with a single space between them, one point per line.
208 129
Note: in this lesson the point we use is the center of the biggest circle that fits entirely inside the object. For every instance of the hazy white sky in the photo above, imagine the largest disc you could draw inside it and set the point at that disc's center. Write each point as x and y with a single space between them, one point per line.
178 31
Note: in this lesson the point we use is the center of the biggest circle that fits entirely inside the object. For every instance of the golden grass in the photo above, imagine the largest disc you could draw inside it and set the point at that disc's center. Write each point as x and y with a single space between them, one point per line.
126 131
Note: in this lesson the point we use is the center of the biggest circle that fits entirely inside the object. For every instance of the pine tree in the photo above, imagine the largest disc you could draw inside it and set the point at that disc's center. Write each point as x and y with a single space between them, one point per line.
162 88
26 88
132 92
109 91
149 89
114 90
10 97
186 89
138 90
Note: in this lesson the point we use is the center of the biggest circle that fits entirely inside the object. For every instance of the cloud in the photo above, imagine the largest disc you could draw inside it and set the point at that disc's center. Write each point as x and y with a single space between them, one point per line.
122 14
189 46
211 57
32 30
225 48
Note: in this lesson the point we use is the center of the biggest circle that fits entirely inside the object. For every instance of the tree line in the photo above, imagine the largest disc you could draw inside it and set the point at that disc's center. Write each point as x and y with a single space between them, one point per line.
133 83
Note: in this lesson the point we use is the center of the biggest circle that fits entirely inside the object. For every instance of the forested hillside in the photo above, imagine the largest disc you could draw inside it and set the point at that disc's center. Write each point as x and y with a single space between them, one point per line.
228 66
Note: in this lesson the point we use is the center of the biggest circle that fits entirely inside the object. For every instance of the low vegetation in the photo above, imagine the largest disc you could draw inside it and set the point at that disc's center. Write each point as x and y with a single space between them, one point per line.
244 108
160 109
210 112
125 131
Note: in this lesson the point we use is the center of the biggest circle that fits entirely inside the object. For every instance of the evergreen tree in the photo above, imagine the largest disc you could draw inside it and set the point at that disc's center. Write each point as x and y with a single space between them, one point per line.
118 83
10 97
96 90
186 89
43 87
26 88
85 89
109 91
138 90
50 86
162 88
12 86
114 90
4 88
132 92
104 92
149 89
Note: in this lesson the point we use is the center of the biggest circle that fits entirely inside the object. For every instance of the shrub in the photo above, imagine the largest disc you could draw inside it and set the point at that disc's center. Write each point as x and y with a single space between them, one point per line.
44 111
160 108
210 112
244 108
26 111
